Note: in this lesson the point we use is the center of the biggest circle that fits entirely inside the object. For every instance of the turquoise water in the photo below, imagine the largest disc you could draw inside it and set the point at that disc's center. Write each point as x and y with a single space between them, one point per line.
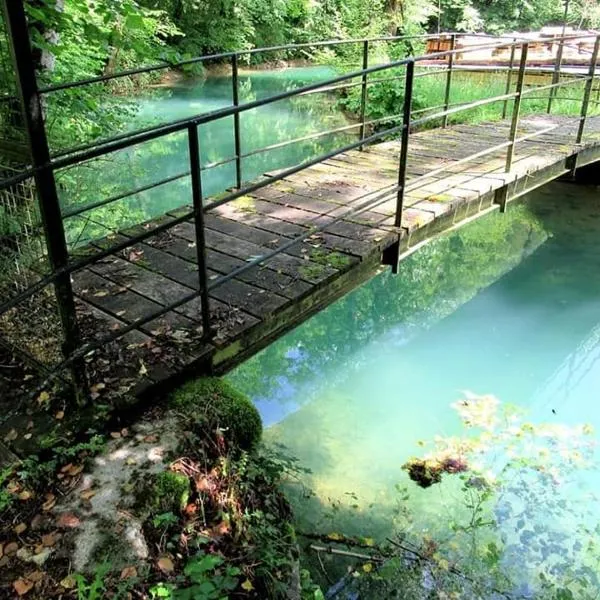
151 162
508 306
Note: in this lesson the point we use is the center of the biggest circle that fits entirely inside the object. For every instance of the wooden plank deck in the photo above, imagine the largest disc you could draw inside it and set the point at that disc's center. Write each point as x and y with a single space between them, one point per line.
257 306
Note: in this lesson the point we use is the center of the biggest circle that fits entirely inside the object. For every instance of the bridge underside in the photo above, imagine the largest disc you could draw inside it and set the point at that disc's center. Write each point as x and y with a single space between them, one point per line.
345 210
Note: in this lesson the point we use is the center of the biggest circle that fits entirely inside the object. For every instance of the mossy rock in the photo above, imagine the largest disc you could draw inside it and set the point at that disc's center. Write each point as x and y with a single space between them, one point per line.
221 406
170 492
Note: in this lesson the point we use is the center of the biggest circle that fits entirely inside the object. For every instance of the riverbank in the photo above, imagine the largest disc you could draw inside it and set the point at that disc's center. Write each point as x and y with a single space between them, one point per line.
181 502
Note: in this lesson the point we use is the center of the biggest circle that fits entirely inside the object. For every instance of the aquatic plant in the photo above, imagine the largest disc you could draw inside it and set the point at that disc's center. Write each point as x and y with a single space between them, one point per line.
511 518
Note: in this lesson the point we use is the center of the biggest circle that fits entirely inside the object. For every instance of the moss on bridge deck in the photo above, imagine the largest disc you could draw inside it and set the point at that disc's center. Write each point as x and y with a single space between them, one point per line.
252 309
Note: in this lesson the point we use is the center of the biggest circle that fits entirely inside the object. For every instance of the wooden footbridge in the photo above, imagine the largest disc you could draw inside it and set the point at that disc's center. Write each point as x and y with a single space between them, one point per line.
207 285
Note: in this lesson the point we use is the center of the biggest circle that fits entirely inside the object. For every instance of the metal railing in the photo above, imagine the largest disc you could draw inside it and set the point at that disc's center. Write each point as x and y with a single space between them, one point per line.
44 166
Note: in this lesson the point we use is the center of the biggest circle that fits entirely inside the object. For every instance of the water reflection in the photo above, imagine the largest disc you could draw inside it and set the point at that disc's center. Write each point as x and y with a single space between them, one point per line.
150 162
509 305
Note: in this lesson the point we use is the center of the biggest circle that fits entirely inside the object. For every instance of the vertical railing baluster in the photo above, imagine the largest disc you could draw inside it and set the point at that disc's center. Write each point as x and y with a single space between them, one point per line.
556 73
588 91
408 94
195 170
511 66
514 126
45 183
449 79
364 89
236 120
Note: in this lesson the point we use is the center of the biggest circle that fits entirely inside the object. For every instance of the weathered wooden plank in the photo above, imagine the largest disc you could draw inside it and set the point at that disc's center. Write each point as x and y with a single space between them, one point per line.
123 303
307 269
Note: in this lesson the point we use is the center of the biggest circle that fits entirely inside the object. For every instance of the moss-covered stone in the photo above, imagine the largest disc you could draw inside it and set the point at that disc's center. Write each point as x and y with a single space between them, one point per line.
170 492
221 406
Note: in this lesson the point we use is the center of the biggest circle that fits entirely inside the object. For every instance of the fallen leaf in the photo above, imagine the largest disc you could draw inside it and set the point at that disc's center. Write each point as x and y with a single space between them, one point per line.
11 436
20 528
165 564
115 434
74 470
50 502
28 436
22 586
222 528
25 495
66 468
128 572
50 539
35 576
36 522
43 398
151 439
11 548
87 495
68 520
60 415
69 582
247 586
13 487
143 370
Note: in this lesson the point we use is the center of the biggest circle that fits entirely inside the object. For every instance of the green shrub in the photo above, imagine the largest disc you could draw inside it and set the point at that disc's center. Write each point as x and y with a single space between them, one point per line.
217 404
170 492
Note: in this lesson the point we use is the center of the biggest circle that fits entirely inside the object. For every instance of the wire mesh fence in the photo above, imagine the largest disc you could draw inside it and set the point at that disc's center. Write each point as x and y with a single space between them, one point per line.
23 258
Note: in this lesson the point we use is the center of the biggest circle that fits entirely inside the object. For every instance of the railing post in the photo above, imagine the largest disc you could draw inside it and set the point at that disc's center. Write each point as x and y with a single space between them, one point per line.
236 120
588 91
49 204
449 79
194 149
510 152
364 90
511 66
556 73
408 93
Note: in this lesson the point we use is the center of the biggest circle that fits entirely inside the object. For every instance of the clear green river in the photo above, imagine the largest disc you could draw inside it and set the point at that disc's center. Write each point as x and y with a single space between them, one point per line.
508 305
151 162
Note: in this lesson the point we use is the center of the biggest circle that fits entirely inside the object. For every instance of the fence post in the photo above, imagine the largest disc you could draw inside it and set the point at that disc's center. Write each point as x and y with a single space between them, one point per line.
511 66
449 79
49 204
408 93
236 121
510 152
195 166
556 74
363 97
588 90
